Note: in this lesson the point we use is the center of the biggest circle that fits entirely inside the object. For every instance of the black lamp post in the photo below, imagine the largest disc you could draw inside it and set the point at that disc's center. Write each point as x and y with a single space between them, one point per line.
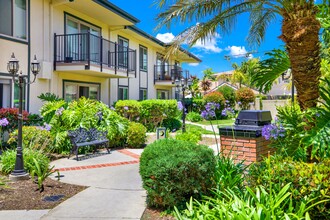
13 67
183 84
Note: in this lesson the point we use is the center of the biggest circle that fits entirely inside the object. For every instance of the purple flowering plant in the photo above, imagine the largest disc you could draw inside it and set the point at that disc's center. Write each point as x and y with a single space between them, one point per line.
273 131
209 114
3 123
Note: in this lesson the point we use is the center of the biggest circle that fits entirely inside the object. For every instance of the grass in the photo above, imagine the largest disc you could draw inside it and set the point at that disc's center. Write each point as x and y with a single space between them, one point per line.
217 122
198 128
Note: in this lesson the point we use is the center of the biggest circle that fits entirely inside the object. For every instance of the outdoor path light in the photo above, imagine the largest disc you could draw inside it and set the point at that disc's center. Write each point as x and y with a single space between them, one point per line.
184 84
13 67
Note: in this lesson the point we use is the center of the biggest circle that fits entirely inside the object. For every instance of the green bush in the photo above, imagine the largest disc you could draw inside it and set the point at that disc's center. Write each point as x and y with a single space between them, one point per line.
229 94
215 97
194 117
136 135
191 136
172 171
8 159
85 113
255 203
172 124
154 111
198 105
37 138
130 109
244 97
309 181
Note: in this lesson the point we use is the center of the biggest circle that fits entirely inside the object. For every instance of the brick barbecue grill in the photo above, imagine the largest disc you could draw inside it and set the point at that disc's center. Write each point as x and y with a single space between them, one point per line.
243 140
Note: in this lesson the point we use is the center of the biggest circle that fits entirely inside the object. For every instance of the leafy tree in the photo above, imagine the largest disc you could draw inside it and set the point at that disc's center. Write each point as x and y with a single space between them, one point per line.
242 73
300 28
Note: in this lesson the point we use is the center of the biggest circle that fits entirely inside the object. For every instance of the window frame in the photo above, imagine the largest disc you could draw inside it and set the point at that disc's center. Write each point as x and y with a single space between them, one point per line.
141 97
81 83
126 88
141 58
166 92
12 18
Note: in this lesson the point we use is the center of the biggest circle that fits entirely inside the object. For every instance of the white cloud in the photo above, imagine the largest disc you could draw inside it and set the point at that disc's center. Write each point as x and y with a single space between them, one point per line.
238 51
166 37
193 64
209 45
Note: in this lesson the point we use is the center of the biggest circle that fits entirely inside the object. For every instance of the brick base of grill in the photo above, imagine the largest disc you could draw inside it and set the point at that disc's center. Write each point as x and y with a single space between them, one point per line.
247 149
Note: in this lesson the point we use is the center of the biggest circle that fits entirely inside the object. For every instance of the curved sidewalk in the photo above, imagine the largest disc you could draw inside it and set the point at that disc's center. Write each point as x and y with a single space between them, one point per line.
114 189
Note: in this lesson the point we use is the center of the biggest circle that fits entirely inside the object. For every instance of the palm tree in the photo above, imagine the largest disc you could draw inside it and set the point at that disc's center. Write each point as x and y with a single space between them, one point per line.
207 80
242 73
300 28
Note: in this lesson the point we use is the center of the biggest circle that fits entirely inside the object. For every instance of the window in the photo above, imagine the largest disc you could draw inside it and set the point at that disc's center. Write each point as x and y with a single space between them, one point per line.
143 58
75 90
123 52
5 93
77 45
13 18
143 94
122 93
162 94
16 96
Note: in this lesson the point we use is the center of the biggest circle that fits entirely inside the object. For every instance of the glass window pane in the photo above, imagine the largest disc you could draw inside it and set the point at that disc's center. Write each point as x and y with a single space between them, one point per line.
70 92
93 92
16 96
20 19
6 17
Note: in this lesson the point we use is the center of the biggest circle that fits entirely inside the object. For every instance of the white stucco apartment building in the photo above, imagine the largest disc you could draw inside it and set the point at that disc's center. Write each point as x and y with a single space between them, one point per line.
87 48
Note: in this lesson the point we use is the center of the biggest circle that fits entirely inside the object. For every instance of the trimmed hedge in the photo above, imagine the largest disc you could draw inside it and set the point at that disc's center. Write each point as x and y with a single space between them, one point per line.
172 171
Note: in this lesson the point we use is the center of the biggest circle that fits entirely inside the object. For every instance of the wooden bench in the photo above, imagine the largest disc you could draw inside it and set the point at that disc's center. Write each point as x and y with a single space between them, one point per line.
83 137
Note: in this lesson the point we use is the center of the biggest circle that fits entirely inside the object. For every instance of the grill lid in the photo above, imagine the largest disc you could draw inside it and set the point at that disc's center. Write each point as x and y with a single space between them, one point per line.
253 117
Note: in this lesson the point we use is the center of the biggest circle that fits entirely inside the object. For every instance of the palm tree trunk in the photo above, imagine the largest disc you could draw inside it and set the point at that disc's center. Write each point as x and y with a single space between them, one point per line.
300 30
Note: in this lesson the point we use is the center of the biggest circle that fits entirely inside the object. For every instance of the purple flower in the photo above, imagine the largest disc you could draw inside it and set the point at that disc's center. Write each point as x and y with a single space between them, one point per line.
317 114
210 109
273 131
239 103
112 108
224 112
4 122
126 108
180 106
59 111
47 127
227 101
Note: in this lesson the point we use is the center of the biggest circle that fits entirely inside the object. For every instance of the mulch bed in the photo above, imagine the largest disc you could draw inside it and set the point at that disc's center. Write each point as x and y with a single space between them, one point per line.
24 194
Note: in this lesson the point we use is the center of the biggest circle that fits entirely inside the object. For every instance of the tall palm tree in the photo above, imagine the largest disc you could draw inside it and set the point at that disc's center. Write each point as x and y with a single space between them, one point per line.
242 72
300 29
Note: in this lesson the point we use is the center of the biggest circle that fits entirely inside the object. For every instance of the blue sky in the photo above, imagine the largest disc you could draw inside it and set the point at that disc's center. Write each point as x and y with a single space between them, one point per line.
212 53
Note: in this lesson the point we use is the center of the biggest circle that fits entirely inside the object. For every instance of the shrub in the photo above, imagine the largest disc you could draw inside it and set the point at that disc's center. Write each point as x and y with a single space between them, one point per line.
190 136
34 120
154 111
172 171
172 124
8 159
85 113
136 135
215 97
37 138
198 105
12 116
309 181
130 109
194 117
229 94
244 97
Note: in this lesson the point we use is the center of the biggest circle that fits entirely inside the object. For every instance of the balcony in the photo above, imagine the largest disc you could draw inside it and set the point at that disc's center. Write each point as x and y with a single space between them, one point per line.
89 54
164 75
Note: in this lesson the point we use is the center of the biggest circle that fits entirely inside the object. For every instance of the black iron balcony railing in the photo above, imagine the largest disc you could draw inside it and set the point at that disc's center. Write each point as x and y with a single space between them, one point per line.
93 49
169 73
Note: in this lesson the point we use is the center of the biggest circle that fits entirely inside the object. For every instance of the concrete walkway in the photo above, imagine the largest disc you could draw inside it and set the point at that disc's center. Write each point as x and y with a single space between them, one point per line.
114 189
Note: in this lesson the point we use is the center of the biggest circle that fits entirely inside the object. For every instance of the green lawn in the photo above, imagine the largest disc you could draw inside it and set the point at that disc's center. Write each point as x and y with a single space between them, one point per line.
198 128
217 122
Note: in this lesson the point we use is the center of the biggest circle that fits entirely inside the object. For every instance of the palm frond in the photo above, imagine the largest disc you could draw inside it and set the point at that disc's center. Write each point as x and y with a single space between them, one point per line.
270 69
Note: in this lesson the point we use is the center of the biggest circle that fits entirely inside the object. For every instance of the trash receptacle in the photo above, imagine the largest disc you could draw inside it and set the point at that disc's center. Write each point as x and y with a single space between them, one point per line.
243 141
